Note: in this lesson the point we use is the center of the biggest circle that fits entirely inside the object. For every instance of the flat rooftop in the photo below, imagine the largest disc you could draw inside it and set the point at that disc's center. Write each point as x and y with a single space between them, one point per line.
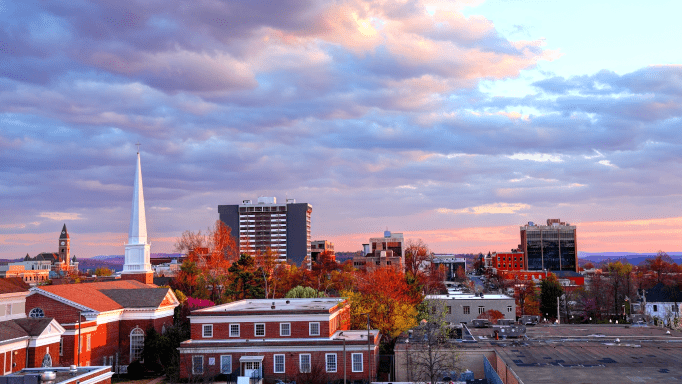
590 354
469 296
275 305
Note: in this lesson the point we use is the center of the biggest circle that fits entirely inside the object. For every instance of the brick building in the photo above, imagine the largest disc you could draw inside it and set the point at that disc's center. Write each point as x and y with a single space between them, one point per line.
24 342
105 321
283 339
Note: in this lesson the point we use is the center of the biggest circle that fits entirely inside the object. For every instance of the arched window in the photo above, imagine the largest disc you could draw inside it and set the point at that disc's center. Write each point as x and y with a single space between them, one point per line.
136 344
36 312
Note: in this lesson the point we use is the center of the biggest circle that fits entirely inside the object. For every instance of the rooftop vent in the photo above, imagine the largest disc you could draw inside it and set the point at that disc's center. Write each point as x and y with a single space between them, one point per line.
288 302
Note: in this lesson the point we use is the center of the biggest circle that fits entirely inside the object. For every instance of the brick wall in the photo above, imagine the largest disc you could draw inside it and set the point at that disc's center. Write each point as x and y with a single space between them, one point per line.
9 359
63 313
291 360
35 355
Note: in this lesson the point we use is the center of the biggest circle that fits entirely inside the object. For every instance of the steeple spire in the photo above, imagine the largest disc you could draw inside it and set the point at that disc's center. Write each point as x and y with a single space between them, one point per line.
137 264
138 220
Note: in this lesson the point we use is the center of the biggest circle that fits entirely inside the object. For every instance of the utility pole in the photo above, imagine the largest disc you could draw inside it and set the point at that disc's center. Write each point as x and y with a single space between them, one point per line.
558 308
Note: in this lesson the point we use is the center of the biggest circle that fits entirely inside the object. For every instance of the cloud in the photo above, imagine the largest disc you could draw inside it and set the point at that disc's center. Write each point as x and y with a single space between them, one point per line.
61 216
496 208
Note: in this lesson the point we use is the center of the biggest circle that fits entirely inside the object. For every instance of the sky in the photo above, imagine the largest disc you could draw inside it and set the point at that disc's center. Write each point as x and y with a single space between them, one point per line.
454 122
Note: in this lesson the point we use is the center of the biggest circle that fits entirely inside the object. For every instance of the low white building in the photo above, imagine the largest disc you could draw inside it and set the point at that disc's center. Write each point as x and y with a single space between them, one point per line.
465 307
664 303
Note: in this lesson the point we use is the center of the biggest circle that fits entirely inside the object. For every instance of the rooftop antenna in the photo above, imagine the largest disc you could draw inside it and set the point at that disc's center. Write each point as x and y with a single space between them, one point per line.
138 147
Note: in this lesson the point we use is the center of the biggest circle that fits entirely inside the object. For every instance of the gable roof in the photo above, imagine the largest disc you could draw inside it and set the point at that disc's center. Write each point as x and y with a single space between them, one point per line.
109 295
10 330
33 326
663 294
13 285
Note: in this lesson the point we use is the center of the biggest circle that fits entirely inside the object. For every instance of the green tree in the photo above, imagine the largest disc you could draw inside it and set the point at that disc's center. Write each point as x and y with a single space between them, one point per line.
550 289
246 281
300 292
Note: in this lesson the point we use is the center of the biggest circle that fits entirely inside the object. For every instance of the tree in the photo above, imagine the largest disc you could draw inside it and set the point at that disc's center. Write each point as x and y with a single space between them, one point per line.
661 264
417 256
300 292
103 271
391 302
431 352
550 290
246 281
492 315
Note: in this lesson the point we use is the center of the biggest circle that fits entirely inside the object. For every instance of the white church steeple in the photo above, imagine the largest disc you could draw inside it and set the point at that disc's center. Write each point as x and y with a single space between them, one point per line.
137 265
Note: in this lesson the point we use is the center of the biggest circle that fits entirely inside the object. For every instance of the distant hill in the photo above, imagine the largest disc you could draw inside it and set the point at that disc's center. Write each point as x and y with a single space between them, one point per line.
629 257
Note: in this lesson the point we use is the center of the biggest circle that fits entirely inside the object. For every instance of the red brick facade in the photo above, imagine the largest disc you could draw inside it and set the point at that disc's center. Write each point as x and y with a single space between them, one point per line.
263 329
13 361
144 278
36 355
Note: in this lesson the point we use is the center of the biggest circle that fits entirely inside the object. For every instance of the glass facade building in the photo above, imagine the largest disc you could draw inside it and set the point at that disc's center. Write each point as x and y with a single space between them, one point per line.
552 247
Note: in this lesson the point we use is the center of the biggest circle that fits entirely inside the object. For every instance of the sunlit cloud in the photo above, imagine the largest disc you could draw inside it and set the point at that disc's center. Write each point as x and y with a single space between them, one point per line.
497 208
61 216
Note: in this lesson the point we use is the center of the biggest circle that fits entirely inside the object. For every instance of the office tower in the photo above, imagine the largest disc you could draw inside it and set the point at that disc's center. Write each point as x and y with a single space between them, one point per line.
553 247
284 228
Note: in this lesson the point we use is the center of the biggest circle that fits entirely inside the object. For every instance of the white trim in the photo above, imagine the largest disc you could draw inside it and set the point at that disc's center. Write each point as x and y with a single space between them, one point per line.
74 332
280 329
144 314
274 349
230 330
274 363
326 362
258 359
310 328
202 365
259 318
14 344
300 363
362 363
255 330
204 327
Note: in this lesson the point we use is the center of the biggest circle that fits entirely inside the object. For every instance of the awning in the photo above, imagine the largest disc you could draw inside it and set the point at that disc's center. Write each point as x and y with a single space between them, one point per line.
251 358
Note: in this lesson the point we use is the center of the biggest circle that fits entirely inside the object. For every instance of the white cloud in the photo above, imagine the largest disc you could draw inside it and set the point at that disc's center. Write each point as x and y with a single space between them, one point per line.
496 208
539 157
61 216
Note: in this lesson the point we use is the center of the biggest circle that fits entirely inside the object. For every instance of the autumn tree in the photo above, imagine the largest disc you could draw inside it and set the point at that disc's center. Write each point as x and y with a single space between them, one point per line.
303 292
389 300
550 290
103 271
417 256
619 279
492 315
526 296
660 265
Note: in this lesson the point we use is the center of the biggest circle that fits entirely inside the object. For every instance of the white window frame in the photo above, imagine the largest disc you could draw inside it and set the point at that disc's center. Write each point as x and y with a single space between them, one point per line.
301 368
205 328
310 328
283 327
135 354
275 362
234 334
88 346
228 358
255 329
196 371
327 362
481 309
353 362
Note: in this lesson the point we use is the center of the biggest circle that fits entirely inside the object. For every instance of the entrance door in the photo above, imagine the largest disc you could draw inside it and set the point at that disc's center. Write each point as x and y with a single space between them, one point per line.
252 369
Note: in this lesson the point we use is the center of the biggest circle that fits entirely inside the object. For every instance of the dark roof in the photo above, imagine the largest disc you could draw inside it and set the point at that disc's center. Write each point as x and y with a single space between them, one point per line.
133 298
565 274
663 294
32 326
65 233
13 285
159 280
10 330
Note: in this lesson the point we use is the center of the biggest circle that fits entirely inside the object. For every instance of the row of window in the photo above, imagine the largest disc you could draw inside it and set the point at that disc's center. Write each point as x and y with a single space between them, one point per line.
259 329
279 365
467 310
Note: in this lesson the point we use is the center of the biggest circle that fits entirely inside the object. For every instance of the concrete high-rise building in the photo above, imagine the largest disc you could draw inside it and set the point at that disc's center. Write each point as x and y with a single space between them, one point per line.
382 252
137 264
284 228
553 247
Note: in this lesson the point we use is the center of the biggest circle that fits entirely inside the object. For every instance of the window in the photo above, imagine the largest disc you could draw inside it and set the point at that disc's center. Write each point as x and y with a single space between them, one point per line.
481 310
234 330
314 329
259 329
285 329
226 364
197 365
87 342
466 309
449 309
509 308
279 364
304 363
356 358
36 312
61 346
208 330
655 308
137 344
331 362
80 344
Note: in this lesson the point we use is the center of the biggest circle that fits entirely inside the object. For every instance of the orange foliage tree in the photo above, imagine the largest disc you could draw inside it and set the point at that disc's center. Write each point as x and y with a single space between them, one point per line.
492 315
